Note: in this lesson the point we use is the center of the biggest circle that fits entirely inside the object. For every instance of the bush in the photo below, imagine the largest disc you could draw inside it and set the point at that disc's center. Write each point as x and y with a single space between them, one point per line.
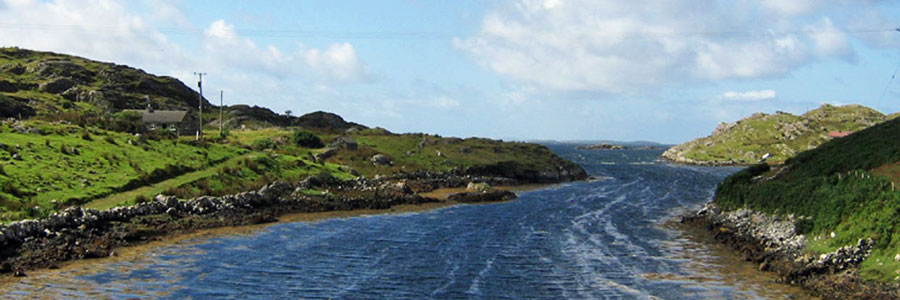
223 135
306 139
140 199
264 143
2 171
85 135
268 162
110 139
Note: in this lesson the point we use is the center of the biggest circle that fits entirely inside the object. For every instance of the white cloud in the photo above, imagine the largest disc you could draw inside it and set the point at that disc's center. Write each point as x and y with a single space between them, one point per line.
221 30
628 46
749 95
792 7
831 41
103 30
338 62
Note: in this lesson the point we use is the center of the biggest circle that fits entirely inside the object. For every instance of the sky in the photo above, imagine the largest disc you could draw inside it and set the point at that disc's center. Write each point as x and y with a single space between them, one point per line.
654 70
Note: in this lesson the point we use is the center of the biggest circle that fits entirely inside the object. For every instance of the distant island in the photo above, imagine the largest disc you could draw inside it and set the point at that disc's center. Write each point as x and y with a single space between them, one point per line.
605 146
774 137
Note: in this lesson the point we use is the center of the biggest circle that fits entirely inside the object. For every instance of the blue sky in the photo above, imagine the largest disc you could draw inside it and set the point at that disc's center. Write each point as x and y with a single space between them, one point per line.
665 71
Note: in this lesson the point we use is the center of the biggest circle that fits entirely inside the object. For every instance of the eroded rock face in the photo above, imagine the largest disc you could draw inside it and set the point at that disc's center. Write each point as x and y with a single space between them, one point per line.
56 86
11 107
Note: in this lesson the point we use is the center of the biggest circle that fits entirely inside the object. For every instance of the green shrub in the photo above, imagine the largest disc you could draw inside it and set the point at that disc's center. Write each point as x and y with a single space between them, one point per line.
263 144
85 135
268 162
2 171
140 199
223 135
110 139
306 139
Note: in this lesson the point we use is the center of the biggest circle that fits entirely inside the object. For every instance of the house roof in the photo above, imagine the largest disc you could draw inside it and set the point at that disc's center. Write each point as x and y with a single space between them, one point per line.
838 134
161 116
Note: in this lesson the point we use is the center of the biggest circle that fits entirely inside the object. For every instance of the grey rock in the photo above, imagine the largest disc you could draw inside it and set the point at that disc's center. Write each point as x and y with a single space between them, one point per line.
344 142
381 159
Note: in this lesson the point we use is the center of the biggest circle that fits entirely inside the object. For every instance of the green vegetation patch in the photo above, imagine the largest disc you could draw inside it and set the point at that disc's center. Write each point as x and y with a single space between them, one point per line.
833 189
58 165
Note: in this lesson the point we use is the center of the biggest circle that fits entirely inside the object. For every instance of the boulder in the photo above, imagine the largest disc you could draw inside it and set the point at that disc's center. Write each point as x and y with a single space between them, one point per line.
344 142
381 159
477 187
488 196
326 154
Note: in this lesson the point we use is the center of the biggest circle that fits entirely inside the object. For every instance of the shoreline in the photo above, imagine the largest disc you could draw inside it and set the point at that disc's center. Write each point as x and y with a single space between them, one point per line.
132 252
716 261
78 235
773 244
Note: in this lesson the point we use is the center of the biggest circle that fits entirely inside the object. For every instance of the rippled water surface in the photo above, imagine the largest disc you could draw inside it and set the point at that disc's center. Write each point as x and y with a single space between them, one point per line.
584 240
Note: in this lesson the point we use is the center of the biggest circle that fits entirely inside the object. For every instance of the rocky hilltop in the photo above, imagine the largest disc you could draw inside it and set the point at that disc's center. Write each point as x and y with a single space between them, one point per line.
58 86
40 83
777 136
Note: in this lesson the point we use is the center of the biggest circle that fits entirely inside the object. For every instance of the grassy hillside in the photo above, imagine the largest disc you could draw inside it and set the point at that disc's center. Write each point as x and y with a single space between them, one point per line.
58 87
847 186
781 135
64 141
48 166
50 84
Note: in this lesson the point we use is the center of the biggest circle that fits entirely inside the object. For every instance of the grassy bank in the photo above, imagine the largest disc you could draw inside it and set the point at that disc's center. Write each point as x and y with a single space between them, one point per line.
847 186
47 166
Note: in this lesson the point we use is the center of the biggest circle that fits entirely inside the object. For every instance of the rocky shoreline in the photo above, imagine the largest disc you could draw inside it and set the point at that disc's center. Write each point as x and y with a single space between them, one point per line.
773 243
77 233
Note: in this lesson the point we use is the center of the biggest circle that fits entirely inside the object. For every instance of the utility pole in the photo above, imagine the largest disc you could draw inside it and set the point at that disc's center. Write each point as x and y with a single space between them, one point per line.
221 106
200 103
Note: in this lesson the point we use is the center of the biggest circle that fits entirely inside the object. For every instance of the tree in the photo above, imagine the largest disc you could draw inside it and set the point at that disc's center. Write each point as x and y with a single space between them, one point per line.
288 112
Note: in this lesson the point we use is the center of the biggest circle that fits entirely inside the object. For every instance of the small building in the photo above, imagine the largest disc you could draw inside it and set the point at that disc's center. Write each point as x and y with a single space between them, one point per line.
172 120
839 134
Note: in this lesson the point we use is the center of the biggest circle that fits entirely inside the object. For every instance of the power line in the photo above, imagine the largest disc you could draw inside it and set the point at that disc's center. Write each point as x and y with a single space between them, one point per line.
411 35
888 85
